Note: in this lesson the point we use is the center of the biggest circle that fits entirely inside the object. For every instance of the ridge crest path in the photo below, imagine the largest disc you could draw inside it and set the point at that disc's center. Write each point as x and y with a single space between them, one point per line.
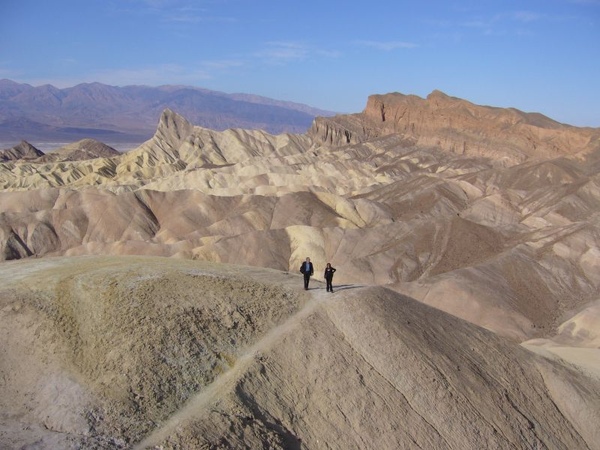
227 380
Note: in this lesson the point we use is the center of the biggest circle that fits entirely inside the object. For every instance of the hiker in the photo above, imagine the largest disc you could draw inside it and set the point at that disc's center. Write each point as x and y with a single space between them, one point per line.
329 271
307 269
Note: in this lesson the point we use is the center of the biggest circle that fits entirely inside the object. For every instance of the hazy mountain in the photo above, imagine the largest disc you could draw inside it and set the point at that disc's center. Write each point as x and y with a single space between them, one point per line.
130 113
466 314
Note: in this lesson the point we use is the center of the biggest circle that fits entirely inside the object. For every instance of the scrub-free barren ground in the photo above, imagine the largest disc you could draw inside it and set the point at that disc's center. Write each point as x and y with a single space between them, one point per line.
146 352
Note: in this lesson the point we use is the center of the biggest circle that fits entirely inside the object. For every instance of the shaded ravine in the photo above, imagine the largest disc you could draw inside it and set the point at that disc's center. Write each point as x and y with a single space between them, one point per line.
227 381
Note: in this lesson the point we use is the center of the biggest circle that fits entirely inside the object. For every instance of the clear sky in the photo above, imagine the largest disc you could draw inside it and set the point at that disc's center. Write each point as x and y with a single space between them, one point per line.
534 55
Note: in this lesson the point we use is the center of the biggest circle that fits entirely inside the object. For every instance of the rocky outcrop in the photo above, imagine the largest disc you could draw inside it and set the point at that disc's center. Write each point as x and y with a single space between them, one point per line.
176 151
339 130
79 151
172 128
22 151
456 125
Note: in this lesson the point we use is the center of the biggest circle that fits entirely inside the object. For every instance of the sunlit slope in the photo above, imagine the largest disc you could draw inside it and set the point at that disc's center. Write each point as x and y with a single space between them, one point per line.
126 351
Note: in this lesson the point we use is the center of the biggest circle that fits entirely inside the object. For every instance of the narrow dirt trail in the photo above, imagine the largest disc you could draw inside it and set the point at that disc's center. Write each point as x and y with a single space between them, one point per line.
227 381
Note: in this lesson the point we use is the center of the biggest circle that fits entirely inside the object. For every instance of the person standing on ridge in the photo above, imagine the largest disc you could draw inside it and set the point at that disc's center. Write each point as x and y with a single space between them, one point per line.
329 271
307 269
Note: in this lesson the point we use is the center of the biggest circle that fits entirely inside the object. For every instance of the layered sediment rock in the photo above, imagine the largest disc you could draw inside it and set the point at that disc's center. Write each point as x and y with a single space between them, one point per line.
23 150
456 125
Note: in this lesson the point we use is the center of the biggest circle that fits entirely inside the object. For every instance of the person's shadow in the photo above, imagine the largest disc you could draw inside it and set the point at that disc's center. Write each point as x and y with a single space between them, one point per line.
342 287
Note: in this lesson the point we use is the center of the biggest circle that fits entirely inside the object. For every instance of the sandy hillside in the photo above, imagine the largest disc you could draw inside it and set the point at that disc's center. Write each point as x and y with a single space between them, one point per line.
122 352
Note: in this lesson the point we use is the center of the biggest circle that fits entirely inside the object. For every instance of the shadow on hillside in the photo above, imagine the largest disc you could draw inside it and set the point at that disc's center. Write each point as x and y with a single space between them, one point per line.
341 287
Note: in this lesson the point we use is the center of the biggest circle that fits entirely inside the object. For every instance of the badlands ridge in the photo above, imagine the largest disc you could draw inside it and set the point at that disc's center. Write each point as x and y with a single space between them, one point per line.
152 299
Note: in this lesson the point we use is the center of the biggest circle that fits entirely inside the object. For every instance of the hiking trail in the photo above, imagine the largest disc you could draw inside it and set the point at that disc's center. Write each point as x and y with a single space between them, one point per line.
227 380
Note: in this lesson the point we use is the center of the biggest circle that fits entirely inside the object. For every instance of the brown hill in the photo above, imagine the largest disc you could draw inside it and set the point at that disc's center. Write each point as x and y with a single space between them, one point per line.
504 235
23 150
139 352
81 150
440 121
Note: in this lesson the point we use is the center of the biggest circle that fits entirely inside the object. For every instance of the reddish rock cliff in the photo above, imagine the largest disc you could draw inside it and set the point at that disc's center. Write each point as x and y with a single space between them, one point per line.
458 126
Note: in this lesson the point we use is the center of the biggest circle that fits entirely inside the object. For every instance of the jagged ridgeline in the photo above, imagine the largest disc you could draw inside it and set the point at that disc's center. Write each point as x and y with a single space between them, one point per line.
489 215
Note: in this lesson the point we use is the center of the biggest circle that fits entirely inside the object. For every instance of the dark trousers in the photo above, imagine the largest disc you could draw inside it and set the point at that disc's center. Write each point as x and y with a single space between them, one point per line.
306 280
329 285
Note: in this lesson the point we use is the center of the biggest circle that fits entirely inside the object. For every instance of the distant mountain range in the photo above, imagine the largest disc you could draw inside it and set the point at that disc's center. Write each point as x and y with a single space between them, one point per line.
131 113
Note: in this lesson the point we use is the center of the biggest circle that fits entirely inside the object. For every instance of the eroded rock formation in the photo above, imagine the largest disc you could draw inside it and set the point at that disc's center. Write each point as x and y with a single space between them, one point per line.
456 125
488 214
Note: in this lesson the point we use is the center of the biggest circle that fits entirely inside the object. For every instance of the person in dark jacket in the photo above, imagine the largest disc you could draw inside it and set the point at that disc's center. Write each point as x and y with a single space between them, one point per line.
329 271
307 269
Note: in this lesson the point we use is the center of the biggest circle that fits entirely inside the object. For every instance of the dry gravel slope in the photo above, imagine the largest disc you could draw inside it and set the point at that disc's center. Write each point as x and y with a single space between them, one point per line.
114 352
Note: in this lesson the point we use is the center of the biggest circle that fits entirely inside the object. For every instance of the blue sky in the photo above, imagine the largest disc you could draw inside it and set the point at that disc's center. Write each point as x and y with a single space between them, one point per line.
534 55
